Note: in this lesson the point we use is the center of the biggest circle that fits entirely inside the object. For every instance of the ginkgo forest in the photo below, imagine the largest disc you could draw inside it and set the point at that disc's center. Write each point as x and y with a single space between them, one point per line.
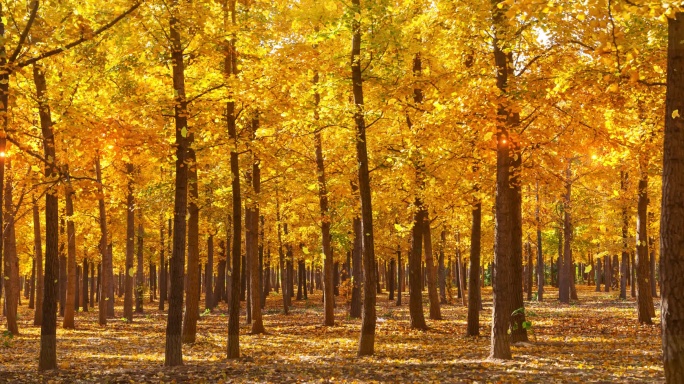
342 191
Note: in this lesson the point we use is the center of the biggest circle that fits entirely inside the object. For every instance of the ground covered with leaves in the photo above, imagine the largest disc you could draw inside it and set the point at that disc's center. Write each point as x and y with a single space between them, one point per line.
596 339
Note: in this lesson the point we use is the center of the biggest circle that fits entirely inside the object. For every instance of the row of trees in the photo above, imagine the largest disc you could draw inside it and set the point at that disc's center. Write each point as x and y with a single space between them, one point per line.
487 122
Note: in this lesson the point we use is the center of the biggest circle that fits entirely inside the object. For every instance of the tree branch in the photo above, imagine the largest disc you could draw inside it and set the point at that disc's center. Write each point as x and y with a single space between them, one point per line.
82 39
25 32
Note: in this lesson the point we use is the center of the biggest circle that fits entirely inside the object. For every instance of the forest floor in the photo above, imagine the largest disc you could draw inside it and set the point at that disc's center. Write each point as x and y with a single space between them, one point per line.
596 339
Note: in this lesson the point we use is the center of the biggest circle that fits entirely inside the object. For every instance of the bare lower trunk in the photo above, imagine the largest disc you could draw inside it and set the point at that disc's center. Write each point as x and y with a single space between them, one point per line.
644 297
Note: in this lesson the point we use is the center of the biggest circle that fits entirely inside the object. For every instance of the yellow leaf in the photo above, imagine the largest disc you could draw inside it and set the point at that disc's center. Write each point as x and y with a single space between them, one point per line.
675 113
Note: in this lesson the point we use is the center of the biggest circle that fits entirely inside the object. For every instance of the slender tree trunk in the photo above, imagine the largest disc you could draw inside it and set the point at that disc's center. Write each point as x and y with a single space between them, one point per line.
608 273
173 354
38 252
400 275
624 270
367 339
140 273
473 328
10 259
252 236
433 295
565 273
48 336
162 263
192 289
540 253
32 285
106 274
518 330
62 264
461 271
209 275
130 246
415 284
72 281
281 261
357 272
654 288
328 300
231 70
644 297
442 270
84 293
530 269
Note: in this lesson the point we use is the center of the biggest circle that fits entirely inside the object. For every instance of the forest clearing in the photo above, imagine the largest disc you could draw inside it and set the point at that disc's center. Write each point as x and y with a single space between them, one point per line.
342 190
594 340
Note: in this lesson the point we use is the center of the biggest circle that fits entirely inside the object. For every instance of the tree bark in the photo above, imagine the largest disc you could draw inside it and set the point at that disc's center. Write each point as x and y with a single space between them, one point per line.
38 252
441 271
644 297
505 211
106 290
209 275
415 283
84 290
231 70
400 275
192 290
130 246
48 336
252 236
357 273
173 354
140 273
10 259
540 253
162 263
473 328
70 305
367 338
433 295
565 273
672 209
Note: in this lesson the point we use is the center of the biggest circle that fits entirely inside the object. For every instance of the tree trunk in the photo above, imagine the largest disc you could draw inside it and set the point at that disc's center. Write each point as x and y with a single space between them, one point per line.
72 281
441 271
10 259
281 261
503 271
367 339
231 70
62 265
400 275
415 283
38 252
173 354
672 209
252 236
540 253
48 336
644 297
209 275
192 289
140 273
162 270
473 328
357 273
130 246
654 288
84 290
608 273
106 289
565 273
32 285
461 271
